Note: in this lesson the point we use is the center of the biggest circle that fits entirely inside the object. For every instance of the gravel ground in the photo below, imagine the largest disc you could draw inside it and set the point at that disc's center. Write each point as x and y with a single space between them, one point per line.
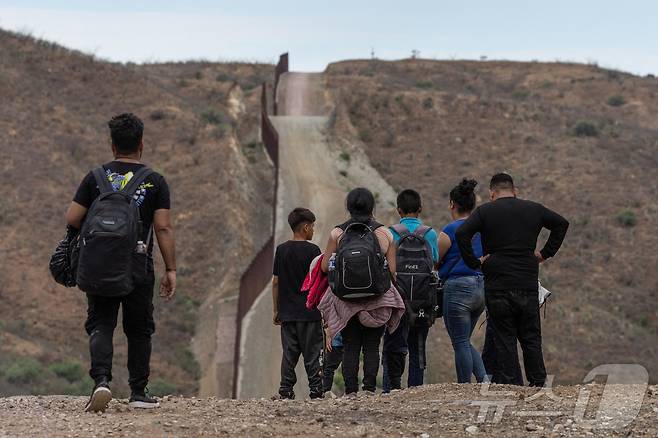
433 410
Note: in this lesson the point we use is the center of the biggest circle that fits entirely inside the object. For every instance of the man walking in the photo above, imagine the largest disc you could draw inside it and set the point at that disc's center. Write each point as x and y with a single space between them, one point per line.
509 228
117 207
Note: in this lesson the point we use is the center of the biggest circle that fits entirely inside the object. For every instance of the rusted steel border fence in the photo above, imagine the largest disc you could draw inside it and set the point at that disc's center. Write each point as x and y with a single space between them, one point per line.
259 273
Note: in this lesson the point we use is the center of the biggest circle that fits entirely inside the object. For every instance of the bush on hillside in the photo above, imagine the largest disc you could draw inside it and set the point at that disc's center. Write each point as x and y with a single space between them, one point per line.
428 103
345 156
69 370
224 77
424 84
23 370
616 100
365 135
211 116
585 129
251 83
160 388
627 218
520 94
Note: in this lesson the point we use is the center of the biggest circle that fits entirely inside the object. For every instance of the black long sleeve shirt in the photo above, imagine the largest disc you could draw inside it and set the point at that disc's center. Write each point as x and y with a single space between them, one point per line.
509 228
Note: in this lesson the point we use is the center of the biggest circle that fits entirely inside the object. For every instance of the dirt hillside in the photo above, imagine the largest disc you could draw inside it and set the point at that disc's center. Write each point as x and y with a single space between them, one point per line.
579 139
202 133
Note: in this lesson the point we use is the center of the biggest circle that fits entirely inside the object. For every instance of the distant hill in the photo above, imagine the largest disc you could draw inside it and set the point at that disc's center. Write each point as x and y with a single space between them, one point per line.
202 133
578 138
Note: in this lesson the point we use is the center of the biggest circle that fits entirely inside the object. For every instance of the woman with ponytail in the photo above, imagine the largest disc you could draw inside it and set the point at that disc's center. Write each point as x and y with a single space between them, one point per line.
463 290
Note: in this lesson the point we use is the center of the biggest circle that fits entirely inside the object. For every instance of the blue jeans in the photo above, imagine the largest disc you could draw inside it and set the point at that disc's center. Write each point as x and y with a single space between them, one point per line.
463 303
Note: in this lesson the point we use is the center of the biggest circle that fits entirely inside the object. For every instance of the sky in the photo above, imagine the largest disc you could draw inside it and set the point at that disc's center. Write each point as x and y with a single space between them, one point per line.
615 34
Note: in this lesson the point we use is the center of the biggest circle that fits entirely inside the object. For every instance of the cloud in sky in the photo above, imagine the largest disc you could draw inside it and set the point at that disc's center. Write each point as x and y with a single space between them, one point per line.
317 34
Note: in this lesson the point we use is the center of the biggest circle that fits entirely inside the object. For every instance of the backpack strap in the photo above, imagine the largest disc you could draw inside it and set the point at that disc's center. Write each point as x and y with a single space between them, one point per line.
402 230
137 179
422 230
103 183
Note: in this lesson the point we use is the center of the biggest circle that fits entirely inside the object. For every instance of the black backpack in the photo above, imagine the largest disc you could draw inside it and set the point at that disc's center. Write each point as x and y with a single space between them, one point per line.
108 238
360 267
416 280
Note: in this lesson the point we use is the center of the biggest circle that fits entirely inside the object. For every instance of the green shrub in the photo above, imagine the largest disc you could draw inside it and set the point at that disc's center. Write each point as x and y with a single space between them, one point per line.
428 103
224 77
7 213
188 363
616 100
585 129
211 116
23 370
627 218
365 135
345 156
160 387
520 94
424 84
251 82
81 387
198 75
343 173
70 370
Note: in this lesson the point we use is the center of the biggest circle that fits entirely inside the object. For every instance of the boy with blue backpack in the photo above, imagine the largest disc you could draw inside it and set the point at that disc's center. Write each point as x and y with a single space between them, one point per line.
417 255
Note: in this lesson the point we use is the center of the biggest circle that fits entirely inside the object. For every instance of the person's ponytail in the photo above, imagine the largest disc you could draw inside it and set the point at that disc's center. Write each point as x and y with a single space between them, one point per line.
463 195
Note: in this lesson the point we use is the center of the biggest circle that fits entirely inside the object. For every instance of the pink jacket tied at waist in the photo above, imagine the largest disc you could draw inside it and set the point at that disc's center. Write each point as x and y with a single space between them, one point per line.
315 283
386 309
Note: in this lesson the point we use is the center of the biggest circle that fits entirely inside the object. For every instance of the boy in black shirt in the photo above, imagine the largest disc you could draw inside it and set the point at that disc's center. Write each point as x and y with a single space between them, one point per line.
301 329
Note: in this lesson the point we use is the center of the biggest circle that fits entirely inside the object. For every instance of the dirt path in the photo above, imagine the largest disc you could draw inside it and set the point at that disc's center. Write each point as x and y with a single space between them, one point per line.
311 174
430 411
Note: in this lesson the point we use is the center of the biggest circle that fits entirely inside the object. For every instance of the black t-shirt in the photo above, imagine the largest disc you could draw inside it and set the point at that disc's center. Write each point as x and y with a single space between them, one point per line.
291 263
152 194
509 228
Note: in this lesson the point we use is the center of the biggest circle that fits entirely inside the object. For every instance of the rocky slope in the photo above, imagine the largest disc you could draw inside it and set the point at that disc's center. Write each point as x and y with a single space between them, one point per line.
431 411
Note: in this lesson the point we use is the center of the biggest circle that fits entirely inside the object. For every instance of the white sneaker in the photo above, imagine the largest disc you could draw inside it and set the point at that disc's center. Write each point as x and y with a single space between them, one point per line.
100 398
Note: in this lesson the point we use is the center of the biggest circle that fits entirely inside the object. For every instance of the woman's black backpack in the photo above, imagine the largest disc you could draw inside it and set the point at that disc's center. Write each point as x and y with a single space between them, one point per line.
108 238
360 267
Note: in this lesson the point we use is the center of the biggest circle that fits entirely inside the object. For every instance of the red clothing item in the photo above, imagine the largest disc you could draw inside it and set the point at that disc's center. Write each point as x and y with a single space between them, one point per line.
315 283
